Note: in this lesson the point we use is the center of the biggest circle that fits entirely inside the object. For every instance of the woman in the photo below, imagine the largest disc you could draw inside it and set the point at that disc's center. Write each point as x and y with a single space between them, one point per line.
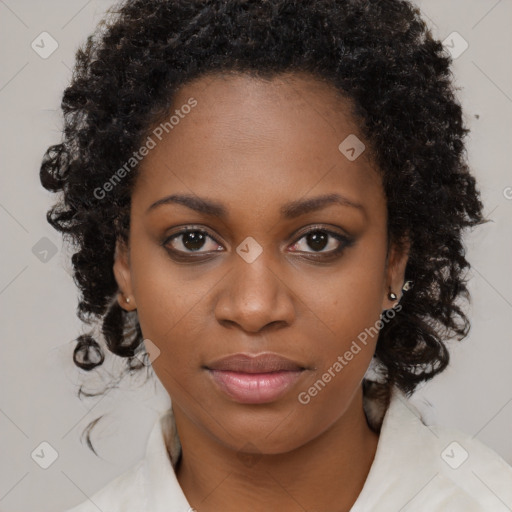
268 200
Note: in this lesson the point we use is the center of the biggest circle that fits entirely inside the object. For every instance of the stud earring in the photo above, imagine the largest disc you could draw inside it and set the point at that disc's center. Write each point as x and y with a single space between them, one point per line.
407 286
392 296
127 300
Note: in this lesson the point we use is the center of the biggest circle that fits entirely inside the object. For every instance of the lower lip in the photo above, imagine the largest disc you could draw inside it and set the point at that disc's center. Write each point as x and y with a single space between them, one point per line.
255 388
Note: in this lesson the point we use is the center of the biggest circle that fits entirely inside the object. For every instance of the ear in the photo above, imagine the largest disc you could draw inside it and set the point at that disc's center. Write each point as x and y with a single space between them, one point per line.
122 274
395 271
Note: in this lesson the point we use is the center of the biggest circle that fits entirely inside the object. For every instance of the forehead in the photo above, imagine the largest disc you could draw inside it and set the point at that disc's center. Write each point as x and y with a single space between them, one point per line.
240 109
258 139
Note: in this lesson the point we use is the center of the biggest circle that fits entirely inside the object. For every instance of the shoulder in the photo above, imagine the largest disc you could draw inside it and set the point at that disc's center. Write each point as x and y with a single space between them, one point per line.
150 484
472 468
431 468
125 492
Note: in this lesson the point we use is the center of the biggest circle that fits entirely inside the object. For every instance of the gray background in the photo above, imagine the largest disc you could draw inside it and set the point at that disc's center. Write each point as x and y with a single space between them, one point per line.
38 381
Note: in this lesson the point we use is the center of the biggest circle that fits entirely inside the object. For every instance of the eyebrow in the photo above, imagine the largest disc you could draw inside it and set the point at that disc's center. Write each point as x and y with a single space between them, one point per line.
290 210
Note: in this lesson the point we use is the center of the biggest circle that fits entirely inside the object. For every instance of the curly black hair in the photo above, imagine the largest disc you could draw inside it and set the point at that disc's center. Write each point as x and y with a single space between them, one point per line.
380 54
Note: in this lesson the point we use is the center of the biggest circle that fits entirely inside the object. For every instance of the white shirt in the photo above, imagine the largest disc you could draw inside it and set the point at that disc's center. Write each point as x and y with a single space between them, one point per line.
417 468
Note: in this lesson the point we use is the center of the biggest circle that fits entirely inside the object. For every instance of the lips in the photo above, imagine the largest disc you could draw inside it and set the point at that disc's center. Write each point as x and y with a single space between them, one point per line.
254 379
263 363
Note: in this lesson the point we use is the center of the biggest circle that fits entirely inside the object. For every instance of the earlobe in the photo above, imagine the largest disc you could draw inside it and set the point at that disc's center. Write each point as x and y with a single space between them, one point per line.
122 275
395 278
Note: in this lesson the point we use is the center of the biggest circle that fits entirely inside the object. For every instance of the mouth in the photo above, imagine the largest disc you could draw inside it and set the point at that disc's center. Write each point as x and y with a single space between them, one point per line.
254 379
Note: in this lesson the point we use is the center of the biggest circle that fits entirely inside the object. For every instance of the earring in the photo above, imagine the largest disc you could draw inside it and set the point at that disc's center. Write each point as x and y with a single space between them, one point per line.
127 300
391 295
407 286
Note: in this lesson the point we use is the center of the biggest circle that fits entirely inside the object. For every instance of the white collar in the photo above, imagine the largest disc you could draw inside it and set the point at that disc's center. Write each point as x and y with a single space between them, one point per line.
408 469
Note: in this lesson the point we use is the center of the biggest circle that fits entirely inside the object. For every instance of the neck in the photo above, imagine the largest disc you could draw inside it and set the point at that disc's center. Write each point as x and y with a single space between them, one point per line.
326 473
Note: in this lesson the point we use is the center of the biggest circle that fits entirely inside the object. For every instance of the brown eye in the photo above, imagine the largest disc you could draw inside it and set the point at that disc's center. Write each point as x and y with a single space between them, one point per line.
190 241
193 240
320 239
317 240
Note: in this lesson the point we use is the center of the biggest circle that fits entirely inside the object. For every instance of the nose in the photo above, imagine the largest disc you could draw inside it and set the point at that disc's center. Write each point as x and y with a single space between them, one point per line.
255 297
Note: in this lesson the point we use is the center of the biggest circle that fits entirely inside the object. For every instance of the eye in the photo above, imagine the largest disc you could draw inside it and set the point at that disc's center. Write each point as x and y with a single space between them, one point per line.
191 240
322 241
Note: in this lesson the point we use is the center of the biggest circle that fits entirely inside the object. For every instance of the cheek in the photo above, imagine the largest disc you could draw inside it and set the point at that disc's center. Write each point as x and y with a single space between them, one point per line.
179 337
169 302
348 299
347 308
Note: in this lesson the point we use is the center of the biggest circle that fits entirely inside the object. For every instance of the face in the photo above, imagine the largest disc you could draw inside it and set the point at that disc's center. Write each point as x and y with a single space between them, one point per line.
252 233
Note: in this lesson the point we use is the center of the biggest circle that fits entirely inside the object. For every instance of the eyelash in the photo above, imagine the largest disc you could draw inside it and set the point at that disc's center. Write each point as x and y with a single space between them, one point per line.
345 242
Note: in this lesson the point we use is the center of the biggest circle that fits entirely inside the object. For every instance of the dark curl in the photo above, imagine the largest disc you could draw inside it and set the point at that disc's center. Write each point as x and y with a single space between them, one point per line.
378 53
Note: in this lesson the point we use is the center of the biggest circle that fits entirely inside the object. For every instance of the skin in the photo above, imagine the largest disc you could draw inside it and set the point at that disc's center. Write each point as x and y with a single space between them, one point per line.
254 145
